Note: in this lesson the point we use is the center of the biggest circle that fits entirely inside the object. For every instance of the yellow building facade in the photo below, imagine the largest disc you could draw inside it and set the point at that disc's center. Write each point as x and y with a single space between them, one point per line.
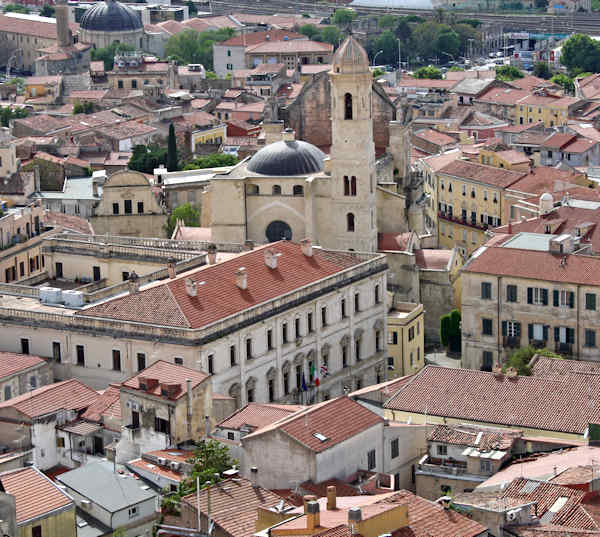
213 135
550 111
406 339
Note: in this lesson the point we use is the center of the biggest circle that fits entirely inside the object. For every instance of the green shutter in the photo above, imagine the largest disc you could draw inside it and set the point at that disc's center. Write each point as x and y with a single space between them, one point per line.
570 335
517 329
571 299
503 328
557 334
545 332
530 331
545 297
529 295
555 297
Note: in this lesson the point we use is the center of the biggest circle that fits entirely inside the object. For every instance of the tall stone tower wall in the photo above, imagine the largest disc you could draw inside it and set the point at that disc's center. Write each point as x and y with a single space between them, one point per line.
63 33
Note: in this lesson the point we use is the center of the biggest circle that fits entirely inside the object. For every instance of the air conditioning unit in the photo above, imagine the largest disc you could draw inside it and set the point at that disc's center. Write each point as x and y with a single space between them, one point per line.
174 466
162 461
512 515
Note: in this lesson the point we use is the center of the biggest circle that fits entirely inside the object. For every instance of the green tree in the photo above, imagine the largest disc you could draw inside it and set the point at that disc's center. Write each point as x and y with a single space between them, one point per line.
309 30
172 159
48 11
428 72
541 70
387 22
146 158
456 68
388 44
521 357
331 35
193 10
216 160
377 72
447 44
7 113
403 30
107 54
186 212
15 8
343 17
191 46
581 53
439 15
564 81
424 39
450 334
508 73
466 33
85 107
211 75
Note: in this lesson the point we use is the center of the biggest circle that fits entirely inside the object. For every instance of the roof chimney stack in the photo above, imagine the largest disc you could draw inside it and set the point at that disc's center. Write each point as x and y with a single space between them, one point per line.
288 135
313 515
191 287
306 500
253 476
241 278
271 258
171 262
354 519
331 498
212 254
307 247
133 283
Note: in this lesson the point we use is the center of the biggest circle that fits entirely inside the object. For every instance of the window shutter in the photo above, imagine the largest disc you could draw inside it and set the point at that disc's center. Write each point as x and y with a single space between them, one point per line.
545 331
529 296
556 334
555 298
571 299
517 329
530 331
503 328
545 297
570 335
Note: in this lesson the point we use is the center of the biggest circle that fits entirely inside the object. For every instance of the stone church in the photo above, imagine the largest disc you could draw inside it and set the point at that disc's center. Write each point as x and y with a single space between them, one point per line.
290 189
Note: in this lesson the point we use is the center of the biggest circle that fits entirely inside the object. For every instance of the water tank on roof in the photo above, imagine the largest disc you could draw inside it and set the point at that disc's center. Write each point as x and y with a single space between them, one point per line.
546 203
50 295
72 298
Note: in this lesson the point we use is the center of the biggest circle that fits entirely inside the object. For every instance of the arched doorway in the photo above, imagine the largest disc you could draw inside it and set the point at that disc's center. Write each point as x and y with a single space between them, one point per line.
278 230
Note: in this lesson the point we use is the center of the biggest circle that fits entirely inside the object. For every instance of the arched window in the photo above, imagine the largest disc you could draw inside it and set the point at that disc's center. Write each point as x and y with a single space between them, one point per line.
298 190
348 106
353 186
250 390
252 190
350 222
346 186
276 190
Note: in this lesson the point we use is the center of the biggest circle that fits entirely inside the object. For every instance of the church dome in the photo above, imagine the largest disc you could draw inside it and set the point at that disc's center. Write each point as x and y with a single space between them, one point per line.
110 16
289 157
350 57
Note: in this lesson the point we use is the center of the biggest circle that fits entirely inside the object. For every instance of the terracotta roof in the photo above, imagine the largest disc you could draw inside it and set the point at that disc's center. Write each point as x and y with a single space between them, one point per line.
409 82
256 415
536 265
337 420
97 66
156 469
233 505
16 25
487 175
254 38
35 495
93 95
506 96
512 156
430 259
580 145
577 475
289 47
42 80
108 404
200 103
499 399
550 367
126 130
529 82
386 389
68 221
43 122
552 531
220 297
166 374
393 241
187 233
559 140
544 179
68 394
435 137
436 162
12 363
320 489
483 438
177 455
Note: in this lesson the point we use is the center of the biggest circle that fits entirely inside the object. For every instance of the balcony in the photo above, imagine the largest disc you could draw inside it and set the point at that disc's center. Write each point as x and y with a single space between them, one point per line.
564 348
537 343
511 341
462 221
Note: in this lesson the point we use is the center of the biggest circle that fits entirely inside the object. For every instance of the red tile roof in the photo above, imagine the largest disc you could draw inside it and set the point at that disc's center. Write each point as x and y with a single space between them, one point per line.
393 241
342 488
257 415
166 373
435 137
68 394
219 296
433 259
484 439
35 495
503 96
550 367
16 25
409 82
254 38
106 405
544 179
338 420
487 175
12 363
489 398
290 47
68 221
529 82
558 140
156 469
580 145
552 531
512 156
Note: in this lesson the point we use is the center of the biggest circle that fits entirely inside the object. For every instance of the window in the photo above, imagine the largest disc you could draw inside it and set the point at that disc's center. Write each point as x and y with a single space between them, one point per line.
395 448
230 436
309 322
271 388
7 392
485 466
56 351
120 84
324 316
299 377
298 190
590 301
230 67
343 308
464 190
133 512
96 274
590 338
276 190
356 302
511 293
347 106
357 349
270 339
297 327
116 360
161 426
286 383
511 329
178 360
377 340
141 361
140 207
116 208
36 531
248 348
442 449
371 459
377 295
80 351
344 356
229 53
472 192
353 185
392 338
486 290
127 204
411 333
211 364
486 327
350 222
134 84
449 186
537 295
564 298
24 346
232 355
284 333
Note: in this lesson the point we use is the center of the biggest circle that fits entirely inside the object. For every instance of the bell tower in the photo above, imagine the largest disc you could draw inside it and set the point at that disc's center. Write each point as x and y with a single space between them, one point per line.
353 217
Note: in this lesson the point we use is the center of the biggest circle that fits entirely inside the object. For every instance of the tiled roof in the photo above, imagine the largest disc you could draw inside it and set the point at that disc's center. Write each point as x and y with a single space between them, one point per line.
43 122
512 156
503 96
536 265
320 489
166 373
16 25
393 241
544 179
558 140
577 475
256 415
68 221
68 394
437 162
550 367
254 38
106 405
580 145
97 66
42 80
233 505
162 471
12 363
489 398
430 259
552 531
289 47
337 420
409 82
529 82
219 296
126 130
487 175
435 137
188 233
484 439
35 495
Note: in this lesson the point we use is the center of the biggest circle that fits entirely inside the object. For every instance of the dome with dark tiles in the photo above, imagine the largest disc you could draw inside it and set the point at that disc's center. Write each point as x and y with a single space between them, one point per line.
110 16
287 157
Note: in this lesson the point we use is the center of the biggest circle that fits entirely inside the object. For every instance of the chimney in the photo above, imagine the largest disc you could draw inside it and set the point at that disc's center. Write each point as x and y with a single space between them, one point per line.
331 498
188 384
253 476
354 519
212 254
241 278
95 189
306 500
307 247
133 283
191 287
510 227
271 258
288 135
171 262
248 246
313 516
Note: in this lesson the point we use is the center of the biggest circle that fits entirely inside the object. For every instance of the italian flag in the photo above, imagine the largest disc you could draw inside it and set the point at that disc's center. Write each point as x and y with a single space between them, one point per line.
313 375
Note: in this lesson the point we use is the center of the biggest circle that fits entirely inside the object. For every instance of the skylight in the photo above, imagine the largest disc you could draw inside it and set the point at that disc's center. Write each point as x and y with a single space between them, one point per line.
320 437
